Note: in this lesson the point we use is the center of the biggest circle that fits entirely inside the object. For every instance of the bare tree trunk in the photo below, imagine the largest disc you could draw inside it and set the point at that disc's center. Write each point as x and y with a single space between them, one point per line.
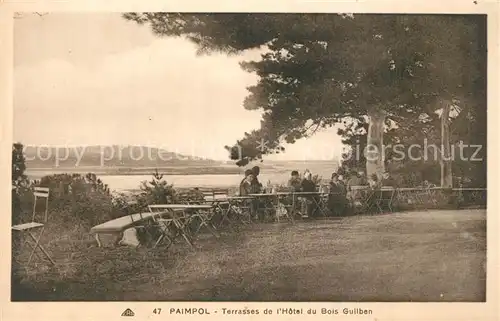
375 144
446 161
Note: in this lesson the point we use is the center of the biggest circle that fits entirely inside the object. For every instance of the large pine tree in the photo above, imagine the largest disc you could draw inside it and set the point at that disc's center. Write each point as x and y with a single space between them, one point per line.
321 69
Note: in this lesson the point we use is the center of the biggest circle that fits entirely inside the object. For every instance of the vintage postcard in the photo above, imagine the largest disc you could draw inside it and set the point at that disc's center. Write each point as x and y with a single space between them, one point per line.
191 160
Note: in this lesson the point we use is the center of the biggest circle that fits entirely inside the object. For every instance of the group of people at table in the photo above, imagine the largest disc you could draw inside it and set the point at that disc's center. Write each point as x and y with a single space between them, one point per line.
301 197
341 196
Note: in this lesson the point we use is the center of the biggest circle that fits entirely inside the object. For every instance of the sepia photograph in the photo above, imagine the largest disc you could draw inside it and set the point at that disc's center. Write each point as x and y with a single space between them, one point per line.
249 157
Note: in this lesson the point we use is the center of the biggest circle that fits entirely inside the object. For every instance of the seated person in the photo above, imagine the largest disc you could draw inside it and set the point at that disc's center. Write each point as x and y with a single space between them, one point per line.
295 185
256 185
257 188
295 182
355 179
337 199
246 188
427 184
374 182
371 198
388 180
308 185
363 181
245 184
196 196
337 186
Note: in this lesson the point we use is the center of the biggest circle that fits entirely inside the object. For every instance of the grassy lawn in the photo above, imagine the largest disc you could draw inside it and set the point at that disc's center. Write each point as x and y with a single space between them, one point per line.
415 256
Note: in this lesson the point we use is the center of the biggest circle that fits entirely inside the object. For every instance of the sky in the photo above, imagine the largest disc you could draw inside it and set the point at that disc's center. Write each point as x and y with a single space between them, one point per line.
98 79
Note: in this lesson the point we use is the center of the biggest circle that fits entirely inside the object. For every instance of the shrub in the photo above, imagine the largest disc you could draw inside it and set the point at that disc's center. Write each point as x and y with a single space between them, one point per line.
155 191
126 204
75 199
18 162
20 184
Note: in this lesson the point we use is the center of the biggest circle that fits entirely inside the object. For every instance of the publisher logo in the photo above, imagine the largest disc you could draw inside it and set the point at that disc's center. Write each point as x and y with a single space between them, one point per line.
128 313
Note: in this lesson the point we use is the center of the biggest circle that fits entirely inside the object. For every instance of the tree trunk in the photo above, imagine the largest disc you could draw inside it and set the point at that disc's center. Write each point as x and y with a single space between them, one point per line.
446 161
375 144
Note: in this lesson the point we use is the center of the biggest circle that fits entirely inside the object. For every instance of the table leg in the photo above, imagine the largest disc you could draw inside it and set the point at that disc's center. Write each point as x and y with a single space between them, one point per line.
188 240
98 240
319 206
243 211
391 200
291 217
225 218
289 214
238 215
158 240
183 233
205 220
297 207
276 208
164 235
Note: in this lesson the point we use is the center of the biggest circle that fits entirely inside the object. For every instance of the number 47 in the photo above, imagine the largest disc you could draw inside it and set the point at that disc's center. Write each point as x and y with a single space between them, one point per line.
157 311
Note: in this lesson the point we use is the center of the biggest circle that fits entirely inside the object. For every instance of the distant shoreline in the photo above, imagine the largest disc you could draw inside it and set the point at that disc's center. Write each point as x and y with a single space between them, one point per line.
321 167
39 172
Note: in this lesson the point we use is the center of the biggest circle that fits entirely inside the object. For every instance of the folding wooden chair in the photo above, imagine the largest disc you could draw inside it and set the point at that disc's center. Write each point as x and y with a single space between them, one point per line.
166 227
385 199
175 223
204 218
360 197
370 200
294 207
222 209
241 208
29 228
218 198
208 194
321 201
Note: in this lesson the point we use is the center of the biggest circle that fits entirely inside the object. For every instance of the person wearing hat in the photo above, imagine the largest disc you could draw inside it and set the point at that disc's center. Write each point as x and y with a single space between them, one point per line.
256 185
246 183
295 183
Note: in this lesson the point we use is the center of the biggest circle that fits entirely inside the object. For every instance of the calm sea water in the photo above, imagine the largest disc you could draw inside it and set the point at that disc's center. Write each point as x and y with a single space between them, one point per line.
131 182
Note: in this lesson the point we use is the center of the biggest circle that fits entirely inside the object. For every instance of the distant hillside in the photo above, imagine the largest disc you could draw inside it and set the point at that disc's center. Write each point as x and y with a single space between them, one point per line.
141 160
109 156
